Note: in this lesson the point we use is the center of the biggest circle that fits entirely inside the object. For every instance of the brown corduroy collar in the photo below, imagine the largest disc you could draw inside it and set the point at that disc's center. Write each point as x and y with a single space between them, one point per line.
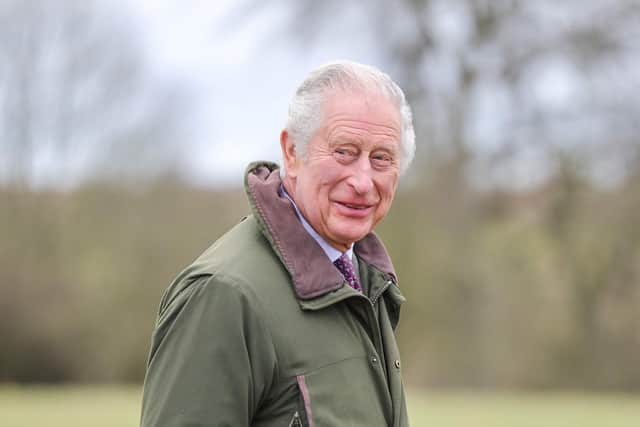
312 272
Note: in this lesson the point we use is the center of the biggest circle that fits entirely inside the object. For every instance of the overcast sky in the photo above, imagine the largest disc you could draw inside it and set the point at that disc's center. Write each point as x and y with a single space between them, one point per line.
244 72
246 68
241 69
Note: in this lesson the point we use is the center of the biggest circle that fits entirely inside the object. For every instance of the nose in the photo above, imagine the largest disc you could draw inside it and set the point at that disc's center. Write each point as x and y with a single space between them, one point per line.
360 179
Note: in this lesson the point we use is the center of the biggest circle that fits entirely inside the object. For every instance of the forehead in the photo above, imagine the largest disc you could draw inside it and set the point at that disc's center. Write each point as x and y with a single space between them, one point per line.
367 113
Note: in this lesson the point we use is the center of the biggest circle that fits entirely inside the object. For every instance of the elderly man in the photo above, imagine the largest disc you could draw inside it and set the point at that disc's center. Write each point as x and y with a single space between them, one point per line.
288 319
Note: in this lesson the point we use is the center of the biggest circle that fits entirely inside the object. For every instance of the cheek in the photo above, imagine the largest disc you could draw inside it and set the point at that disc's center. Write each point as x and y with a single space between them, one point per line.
327 180
386 193
387 189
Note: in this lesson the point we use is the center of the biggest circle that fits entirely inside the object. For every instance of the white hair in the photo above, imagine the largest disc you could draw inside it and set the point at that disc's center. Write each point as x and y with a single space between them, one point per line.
306 108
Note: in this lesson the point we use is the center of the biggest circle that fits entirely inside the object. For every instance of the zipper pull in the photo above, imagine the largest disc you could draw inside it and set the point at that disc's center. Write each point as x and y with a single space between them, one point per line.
296 421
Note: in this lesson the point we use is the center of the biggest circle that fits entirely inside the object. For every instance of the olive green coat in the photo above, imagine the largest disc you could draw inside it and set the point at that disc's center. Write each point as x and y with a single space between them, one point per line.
262 330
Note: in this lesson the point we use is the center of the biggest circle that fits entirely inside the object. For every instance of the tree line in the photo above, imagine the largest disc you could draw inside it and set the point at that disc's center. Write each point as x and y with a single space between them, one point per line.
535 289
516 235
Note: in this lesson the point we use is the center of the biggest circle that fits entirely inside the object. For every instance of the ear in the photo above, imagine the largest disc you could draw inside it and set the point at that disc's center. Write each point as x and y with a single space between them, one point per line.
289 154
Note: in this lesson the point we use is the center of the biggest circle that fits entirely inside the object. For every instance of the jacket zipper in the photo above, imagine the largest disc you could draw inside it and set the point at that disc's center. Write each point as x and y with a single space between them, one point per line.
377 337
377 296
296 421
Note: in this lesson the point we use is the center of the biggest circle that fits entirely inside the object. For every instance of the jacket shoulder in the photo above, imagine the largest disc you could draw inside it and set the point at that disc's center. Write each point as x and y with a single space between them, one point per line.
242 256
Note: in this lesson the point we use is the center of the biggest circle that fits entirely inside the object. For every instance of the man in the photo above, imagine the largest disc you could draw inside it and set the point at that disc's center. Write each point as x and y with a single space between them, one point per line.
288 319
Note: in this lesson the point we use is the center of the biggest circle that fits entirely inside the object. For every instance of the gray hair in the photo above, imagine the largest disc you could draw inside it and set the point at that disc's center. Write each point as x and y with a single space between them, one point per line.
305 110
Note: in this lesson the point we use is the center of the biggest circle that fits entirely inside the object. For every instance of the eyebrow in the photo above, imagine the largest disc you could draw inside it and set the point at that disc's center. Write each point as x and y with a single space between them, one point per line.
345 137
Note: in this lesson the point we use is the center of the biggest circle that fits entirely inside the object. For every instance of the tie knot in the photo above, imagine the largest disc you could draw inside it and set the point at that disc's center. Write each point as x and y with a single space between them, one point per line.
345 266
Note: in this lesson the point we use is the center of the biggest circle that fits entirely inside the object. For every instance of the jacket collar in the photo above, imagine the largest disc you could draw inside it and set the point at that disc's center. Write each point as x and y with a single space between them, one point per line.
311 271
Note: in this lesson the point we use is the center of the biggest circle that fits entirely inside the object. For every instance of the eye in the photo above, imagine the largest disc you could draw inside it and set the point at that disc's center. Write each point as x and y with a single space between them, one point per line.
382 160
345 154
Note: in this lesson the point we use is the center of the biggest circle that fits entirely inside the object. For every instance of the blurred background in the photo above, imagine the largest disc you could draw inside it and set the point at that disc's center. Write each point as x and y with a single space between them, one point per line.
125 127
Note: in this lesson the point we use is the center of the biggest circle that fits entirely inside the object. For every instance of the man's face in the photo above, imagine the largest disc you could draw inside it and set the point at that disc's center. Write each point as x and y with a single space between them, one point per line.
346 184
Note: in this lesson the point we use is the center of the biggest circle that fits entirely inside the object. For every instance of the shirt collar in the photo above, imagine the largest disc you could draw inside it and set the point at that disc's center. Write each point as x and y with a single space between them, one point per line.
329 250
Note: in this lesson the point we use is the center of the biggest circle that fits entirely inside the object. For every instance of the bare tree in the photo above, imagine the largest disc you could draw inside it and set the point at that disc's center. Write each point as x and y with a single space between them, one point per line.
76 98
496 84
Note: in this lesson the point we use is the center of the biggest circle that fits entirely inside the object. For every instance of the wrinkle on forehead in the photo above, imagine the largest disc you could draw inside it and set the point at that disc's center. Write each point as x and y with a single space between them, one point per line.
363 113
357 127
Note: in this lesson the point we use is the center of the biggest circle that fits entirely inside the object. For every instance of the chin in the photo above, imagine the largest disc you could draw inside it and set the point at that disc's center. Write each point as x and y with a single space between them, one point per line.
352 237
352 231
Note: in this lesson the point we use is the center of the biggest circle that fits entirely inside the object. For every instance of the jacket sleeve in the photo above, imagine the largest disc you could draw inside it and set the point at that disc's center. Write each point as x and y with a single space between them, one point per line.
212 359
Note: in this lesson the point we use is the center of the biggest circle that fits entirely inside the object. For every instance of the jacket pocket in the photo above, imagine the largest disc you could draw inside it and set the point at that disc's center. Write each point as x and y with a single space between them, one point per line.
302 417
350 392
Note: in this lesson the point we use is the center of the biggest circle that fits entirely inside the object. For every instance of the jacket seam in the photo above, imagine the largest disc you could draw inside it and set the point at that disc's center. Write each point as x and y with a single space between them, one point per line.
189 288
326 365
244 288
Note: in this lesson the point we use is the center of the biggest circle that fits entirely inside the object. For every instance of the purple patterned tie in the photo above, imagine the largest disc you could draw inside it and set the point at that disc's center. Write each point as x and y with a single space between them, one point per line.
345 266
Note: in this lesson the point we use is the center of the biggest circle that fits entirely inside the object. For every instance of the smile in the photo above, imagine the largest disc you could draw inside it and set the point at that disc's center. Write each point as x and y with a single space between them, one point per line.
353 210
355 206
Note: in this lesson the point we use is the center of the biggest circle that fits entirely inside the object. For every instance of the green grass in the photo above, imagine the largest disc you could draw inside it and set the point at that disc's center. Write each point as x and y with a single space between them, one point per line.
523 410
119 406
69 406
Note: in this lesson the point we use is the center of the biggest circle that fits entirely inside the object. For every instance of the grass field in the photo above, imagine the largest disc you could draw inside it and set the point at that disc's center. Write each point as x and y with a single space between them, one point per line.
119 406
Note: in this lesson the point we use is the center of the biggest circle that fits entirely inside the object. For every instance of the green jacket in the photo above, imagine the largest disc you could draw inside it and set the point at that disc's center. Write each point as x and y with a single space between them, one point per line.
262 330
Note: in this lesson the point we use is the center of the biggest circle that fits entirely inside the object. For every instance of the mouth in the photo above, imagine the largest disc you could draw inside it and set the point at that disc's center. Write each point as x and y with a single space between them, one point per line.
357 210
352 206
